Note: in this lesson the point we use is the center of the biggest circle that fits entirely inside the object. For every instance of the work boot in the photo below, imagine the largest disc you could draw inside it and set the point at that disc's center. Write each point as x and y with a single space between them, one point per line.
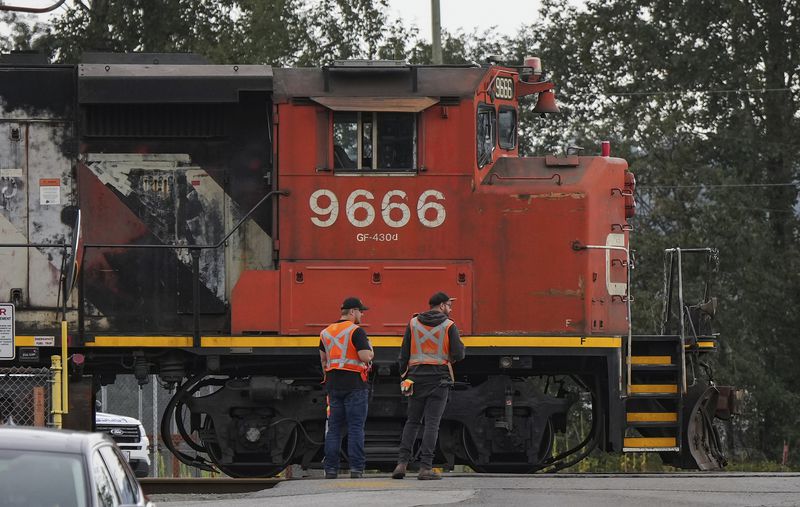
356 474
427 474
399 471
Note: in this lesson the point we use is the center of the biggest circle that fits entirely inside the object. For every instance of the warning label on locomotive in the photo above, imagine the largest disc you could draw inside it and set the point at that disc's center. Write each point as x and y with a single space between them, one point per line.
44 341
6 331
49 191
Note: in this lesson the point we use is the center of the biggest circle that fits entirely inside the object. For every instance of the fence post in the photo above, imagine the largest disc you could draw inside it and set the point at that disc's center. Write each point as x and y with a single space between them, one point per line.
55 362
155 444
38 406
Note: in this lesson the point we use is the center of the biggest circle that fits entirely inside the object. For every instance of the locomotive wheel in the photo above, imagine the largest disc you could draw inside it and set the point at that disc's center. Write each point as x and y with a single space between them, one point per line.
545 449
246 469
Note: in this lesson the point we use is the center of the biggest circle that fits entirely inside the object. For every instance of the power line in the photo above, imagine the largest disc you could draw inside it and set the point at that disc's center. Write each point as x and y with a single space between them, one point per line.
724 185
680 92
709 91
770 210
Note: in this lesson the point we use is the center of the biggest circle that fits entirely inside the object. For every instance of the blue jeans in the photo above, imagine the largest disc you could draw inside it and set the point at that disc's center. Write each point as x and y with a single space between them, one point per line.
347 408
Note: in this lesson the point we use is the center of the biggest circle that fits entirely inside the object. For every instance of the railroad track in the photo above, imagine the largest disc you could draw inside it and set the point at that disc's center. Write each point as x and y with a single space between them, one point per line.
203 485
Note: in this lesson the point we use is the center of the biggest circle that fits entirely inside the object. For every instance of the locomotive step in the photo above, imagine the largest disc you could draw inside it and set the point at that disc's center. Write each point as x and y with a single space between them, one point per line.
642 444
653 396
657 417
654 389
651 361
705 344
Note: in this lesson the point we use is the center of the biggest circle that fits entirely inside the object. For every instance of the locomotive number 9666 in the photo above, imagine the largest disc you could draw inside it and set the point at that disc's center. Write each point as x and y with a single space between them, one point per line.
360 211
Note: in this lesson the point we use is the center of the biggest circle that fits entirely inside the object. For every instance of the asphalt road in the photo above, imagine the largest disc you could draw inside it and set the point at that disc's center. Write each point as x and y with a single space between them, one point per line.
650 490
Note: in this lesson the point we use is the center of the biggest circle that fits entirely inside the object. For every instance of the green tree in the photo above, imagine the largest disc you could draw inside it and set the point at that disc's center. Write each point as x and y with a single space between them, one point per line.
701 98
205 27
340 30
268 31
23 32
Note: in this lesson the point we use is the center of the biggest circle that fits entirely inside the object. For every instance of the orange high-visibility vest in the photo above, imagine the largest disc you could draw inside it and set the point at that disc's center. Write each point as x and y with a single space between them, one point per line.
429 345
339 349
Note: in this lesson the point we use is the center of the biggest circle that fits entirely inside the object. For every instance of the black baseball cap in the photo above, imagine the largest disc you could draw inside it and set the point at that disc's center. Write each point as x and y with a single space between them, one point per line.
352 302
439 298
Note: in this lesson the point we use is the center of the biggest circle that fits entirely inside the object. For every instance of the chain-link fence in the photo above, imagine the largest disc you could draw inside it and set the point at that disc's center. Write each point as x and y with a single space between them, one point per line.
146 403
25 396
26 400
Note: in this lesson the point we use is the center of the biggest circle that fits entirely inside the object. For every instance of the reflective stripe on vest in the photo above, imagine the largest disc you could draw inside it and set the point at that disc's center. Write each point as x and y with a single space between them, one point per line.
340 353
429 345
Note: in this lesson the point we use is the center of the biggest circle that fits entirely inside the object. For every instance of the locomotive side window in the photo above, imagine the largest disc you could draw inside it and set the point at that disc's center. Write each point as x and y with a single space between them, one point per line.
486 134
345 140
507 128
396 140
381 141
367 139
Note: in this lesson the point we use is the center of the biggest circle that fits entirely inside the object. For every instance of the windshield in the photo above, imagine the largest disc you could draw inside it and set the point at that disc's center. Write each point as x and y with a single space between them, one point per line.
39 479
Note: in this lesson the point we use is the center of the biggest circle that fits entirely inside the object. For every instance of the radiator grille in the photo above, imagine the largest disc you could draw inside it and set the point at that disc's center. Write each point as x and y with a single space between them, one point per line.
121 434
154 120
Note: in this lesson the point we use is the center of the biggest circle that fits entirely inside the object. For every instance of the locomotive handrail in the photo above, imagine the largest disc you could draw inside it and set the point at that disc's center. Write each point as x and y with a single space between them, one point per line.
193 247
35 245
194 251
682 334
577 246
683 331
554 176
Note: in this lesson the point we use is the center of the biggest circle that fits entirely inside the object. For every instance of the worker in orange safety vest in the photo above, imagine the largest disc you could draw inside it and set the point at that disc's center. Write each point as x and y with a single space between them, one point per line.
430 345
345 354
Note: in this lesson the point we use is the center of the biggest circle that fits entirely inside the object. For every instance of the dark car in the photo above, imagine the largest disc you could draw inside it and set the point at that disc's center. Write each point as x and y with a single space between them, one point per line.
55 468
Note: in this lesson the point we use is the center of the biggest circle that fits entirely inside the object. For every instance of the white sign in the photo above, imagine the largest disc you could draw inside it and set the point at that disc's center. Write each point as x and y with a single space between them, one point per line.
49 191
44 341
7 349
13 172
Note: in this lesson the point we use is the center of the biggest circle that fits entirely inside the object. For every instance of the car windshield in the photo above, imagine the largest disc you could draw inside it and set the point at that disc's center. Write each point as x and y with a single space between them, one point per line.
41 479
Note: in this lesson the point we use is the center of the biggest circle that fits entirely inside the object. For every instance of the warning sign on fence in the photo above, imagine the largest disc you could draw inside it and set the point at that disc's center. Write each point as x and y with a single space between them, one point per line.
7 349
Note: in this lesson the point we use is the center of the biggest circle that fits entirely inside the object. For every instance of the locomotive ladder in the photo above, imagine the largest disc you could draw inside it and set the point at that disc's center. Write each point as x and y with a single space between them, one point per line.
657 383
655 377
654 405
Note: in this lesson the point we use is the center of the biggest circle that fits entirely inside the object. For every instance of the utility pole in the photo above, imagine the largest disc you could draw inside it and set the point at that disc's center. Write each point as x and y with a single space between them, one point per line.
436 29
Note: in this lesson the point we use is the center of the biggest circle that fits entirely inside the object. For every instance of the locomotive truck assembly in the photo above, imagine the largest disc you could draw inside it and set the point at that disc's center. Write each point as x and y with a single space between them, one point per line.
226 210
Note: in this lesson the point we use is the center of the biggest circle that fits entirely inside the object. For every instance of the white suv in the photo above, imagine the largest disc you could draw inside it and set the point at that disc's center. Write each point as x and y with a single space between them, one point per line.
130 437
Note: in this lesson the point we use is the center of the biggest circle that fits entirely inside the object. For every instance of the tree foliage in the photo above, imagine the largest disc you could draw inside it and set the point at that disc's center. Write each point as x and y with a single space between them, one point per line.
701 98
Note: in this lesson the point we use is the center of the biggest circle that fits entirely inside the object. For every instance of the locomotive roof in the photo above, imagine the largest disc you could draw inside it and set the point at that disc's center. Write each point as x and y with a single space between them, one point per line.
400 81
139 83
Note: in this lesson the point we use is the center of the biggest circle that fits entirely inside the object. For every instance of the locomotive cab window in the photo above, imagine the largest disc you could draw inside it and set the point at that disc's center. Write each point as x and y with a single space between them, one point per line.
486 134
507 128
374 141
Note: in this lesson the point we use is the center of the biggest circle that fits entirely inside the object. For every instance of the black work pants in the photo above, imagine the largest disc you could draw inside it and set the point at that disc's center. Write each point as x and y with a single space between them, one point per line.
424 408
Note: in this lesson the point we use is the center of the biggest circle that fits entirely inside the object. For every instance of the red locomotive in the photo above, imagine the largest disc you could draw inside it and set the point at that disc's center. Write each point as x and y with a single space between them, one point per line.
228 210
